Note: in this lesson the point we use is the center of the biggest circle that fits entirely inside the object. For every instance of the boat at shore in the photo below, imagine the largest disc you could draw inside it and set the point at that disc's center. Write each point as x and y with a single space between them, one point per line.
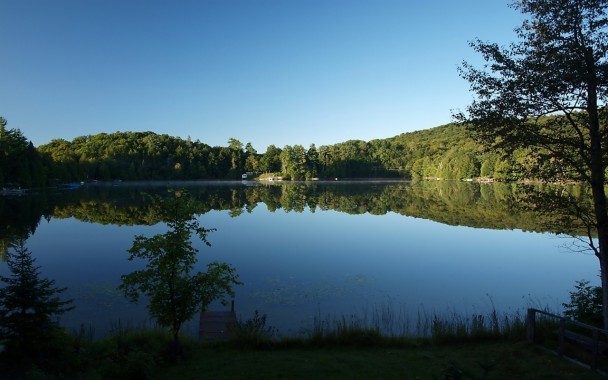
5 191
71 185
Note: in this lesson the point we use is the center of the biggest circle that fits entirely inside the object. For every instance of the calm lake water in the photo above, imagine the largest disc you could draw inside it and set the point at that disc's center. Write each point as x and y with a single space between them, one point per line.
311 251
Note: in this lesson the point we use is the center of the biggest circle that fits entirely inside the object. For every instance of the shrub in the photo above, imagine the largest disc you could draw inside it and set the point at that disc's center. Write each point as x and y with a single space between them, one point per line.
253 332
585 304
135 354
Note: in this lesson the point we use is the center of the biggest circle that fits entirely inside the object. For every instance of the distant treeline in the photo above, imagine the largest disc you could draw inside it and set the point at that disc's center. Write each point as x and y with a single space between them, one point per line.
446 152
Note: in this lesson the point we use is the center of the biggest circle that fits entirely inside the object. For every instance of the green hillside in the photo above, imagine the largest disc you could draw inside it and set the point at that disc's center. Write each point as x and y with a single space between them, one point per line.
444 152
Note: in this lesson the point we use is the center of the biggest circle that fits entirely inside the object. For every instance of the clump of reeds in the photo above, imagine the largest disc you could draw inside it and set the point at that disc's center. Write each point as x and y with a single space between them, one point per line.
457 328
386 325
253 332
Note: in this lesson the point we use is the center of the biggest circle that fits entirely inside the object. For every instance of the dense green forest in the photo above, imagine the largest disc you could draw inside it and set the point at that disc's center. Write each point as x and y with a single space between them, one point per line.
21 164
446 152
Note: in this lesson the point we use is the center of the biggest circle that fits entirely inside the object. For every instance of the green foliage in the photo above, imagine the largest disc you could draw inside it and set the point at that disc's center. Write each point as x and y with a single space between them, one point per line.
20 163
585 304
133 354
253 332
446 152
29 306
384 328
478 327
270 161
346 332
175 293
146 155
519 87
542 100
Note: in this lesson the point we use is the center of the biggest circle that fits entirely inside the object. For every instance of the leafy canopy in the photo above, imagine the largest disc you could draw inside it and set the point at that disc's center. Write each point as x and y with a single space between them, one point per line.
175 293
548 92
557 67
585 304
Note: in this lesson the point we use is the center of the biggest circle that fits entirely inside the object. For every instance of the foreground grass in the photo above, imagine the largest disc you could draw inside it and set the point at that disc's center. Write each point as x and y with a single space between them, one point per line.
497 360
477 347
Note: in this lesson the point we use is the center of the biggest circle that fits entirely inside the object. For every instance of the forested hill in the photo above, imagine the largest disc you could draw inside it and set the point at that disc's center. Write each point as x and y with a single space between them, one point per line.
446 152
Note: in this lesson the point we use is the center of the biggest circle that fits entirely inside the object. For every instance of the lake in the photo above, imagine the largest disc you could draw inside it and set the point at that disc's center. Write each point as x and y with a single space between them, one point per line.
307 251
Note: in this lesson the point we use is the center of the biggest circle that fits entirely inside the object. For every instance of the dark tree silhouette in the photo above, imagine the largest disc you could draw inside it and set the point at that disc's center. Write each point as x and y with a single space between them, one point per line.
547 93
29 307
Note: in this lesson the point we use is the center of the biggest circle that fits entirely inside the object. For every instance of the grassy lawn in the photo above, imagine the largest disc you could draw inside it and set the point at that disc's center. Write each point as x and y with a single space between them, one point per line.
504 360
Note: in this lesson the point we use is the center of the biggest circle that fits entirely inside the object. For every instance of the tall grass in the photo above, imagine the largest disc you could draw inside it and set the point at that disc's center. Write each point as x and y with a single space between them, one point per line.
493 325
130 353
390 325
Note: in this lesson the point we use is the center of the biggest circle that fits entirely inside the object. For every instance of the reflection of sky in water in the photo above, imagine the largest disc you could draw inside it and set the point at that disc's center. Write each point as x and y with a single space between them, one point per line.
298 266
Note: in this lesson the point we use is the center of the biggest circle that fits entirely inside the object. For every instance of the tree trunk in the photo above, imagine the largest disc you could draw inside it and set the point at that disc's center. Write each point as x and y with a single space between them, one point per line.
601 216
597 180
176 345
604 277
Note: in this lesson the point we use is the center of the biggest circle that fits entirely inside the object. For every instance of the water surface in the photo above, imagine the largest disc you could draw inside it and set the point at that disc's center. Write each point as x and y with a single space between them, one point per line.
311 252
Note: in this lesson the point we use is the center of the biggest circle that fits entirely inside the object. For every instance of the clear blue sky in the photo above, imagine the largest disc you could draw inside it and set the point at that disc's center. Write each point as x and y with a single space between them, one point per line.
280 72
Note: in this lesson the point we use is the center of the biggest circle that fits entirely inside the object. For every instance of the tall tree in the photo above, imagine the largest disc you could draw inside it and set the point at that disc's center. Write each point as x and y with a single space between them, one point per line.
271 161
14 157
29 306
252 161
293 162
236 158
558 67
312 157
3 151
175 293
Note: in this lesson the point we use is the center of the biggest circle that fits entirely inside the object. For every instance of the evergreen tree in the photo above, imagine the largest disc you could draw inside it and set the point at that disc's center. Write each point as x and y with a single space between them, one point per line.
29 306
13 156
312 157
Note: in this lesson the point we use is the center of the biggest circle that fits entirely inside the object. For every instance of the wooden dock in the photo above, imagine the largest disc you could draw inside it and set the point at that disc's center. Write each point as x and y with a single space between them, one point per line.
216 325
